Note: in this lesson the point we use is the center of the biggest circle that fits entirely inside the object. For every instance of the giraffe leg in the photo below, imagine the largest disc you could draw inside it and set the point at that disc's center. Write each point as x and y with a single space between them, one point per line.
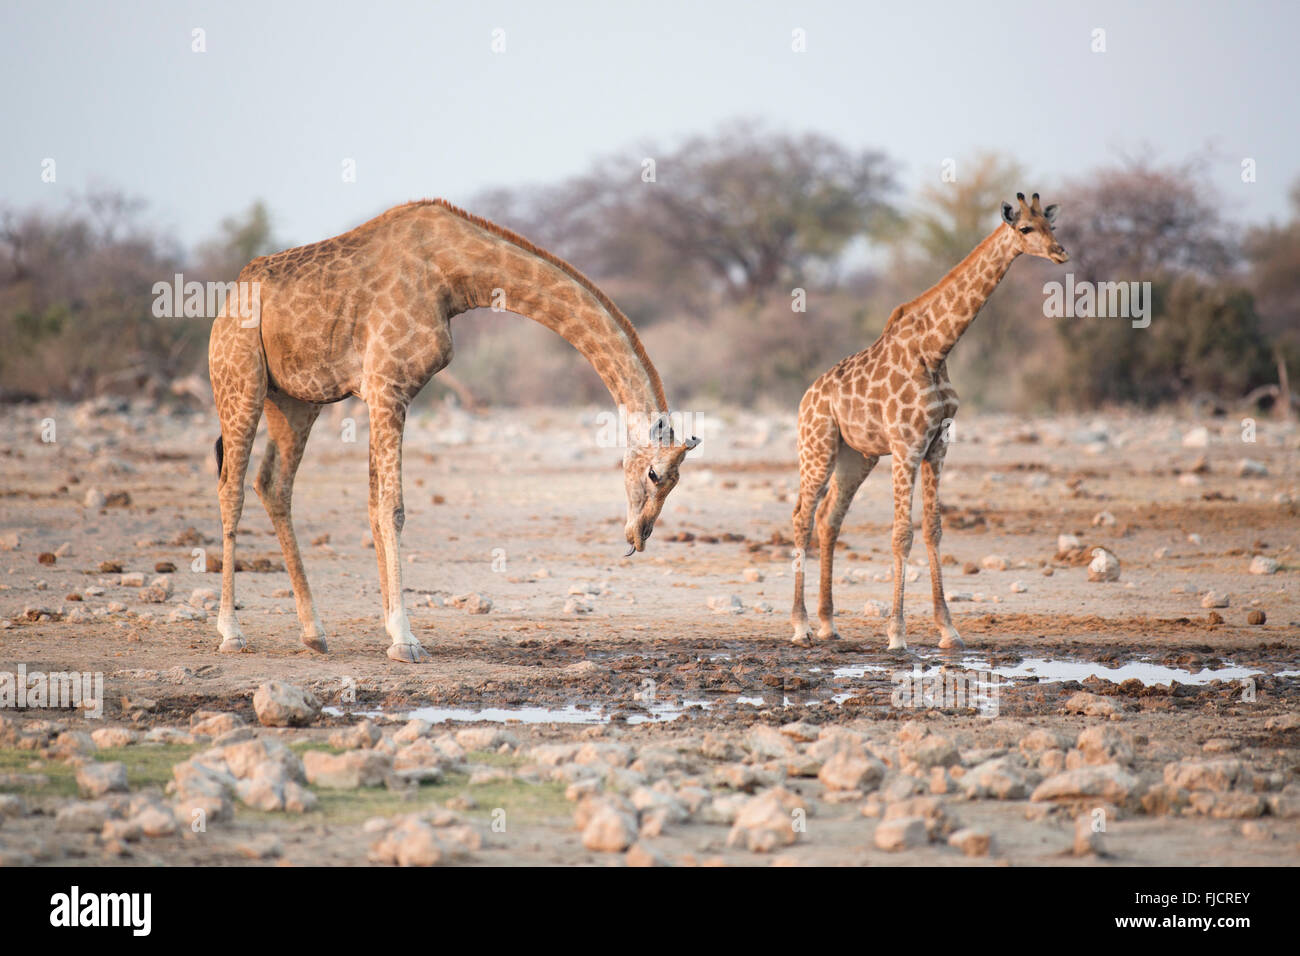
904 482
931 468
816 461
289 422
851 469
387 419
239 387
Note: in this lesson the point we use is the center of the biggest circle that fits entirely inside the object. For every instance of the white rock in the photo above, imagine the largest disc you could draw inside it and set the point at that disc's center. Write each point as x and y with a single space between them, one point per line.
1103 519
94 779
1215 599
1018 587
283 705
726 604
1104 566
1262 564
1198 437
901 833
994 562
1250 468
95 499
1067 542
876 609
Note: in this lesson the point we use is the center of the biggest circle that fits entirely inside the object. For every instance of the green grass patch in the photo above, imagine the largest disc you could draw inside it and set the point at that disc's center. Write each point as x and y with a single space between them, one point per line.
146 765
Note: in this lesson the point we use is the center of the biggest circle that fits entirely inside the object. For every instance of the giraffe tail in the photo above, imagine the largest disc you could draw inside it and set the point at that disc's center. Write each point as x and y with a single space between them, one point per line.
219 451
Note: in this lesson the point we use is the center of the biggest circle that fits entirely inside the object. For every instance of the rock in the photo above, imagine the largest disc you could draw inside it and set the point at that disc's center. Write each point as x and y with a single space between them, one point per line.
994 562
94 779
362 736
768 742
1256 617
1262 564
214 723
283 705
1287 721
1087 841
1218 774
930 751
609 830
1018 587
877 610
1163 799
767 821
1108 782
1105 744
972 841
1103 519
639 854
726 604
851 769
753 575
901 833
1198 437
1250 468
1065 543
411 843
413 730
1091 705
1286 804
347 771
1215 599
1233 805
94 499
1038 741
106 737
473 603
1104 566
81 817
1002 778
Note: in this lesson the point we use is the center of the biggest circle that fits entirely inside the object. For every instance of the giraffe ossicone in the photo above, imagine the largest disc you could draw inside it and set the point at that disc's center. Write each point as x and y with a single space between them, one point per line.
894 398
368 314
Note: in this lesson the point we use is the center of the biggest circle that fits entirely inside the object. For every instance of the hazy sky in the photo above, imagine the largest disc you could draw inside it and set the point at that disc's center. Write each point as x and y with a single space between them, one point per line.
415 94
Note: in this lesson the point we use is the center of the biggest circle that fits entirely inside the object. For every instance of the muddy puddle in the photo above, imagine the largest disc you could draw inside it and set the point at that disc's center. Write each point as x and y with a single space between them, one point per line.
827 687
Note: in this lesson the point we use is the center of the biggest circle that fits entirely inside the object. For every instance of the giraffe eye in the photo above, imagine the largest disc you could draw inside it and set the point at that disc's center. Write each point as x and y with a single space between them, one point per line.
1026 229
653 477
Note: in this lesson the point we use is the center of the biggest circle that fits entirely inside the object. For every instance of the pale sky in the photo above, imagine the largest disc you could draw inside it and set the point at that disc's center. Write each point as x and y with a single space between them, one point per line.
415 94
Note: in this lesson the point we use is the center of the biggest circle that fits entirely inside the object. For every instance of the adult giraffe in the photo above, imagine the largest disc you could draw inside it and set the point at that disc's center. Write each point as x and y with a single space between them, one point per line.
893 399
368 313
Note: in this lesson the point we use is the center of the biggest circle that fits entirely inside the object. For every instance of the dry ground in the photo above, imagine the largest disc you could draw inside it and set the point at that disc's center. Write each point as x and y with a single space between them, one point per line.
525 509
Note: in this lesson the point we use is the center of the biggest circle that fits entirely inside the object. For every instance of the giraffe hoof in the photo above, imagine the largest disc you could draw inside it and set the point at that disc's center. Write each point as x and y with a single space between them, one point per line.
316 644
232 645
831 635
898 649
951 642
408 653
802 636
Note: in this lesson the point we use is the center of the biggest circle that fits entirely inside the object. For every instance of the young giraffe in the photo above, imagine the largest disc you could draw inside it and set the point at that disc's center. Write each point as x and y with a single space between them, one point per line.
894 398
368 313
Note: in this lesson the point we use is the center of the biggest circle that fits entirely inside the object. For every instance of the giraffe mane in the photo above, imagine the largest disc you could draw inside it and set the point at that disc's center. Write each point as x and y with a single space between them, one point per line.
572 272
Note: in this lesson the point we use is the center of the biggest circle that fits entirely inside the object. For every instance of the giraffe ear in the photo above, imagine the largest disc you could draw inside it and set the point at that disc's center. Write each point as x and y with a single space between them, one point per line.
1009 214
662 432
1050 212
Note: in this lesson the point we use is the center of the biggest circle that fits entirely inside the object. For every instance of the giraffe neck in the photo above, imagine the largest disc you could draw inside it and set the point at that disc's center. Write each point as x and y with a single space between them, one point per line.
950 306
512 278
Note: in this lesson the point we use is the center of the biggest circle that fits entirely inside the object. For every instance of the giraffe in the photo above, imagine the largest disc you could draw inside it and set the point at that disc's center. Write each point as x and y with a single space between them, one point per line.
895 398
368 313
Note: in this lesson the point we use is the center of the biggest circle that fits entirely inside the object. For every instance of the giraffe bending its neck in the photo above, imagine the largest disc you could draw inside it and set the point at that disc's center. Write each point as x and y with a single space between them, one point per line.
368 313
894 398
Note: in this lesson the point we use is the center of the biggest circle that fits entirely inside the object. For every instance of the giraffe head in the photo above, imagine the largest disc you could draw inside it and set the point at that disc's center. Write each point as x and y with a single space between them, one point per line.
650 472
1032 227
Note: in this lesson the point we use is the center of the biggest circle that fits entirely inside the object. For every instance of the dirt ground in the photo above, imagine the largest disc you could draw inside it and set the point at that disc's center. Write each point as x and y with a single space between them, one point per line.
678 658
